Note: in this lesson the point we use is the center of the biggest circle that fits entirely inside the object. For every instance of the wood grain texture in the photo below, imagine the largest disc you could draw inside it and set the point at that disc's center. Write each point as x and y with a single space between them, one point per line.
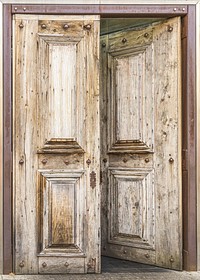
198 139
61 265
56 120
61 212
120 24
25 136
143 68
130 98
93 148
168 144
7 141
131 209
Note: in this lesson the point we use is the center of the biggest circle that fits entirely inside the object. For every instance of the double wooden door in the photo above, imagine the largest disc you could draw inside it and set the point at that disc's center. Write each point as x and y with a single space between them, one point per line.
81 153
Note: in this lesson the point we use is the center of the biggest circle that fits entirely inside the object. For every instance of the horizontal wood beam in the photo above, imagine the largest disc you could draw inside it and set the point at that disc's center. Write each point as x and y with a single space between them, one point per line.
104 10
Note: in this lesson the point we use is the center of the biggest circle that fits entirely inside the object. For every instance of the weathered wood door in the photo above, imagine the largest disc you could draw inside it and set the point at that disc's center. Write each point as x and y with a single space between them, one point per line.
56 144
141 157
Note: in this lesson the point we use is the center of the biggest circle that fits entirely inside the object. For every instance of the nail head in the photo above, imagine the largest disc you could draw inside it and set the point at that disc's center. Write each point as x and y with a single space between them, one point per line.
170 28
88 161
21 161
147 256
171 160
65 26
44 264
44 161
88 26
21 264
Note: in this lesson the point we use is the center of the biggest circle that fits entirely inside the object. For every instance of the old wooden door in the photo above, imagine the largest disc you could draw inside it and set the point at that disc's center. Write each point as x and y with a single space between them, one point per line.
141 157
56 144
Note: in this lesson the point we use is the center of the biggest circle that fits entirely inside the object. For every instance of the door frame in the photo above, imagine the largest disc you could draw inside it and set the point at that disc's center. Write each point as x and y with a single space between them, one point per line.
189 110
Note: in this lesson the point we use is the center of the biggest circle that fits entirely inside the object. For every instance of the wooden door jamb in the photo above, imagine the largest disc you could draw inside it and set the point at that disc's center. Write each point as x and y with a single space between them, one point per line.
189 111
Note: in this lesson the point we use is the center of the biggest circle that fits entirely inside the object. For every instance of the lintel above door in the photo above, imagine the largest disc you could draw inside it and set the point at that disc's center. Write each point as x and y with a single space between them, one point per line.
104 10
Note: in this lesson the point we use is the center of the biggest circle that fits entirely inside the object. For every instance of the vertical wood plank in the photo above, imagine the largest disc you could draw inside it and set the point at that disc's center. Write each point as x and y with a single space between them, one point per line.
93 147
7 142
198 129
24 141
189 140
104 136
192 150
62 208
63 89
168 144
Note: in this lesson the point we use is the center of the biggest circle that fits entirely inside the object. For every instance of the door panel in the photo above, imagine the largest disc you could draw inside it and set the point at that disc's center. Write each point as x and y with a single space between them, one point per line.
56 144
141 158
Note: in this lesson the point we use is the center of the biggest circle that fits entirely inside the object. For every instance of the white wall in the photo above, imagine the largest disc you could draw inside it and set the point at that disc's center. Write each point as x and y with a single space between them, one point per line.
103 2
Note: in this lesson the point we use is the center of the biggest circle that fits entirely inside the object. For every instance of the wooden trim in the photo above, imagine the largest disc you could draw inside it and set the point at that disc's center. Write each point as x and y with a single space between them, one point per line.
189 109
198 131
104 10
7 154
189 140
1 145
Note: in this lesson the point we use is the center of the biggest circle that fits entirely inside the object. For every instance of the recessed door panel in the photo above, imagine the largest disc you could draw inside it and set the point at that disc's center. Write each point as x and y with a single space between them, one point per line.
131 219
